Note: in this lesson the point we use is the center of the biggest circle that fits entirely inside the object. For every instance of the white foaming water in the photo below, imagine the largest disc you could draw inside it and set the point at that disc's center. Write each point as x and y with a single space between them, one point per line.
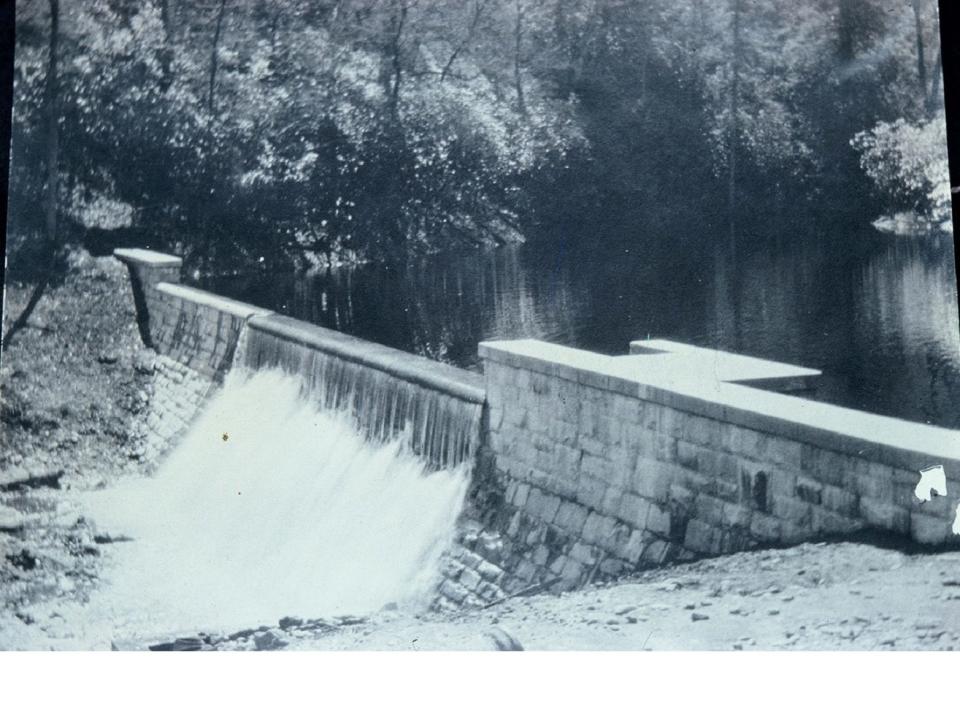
270 508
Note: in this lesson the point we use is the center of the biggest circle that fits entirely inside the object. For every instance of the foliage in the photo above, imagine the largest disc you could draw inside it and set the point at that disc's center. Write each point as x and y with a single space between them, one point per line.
296 130
909 161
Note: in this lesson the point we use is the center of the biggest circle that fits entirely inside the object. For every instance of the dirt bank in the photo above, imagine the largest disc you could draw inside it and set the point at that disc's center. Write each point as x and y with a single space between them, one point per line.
72 388
841 596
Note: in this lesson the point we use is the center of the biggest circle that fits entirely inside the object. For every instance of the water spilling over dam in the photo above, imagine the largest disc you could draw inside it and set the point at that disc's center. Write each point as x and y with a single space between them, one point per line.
273 505
386 393
306 472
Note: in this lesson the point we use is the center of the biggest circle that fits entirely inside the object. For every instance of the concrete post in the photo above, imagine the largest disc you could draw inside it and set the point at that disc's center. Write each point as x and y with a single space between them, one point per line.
147 269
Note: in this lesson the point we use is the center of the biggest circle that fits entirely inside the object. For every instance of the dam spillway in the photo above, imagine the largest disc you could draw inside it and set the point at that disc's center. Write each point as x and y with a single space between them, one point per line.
436 409
271 506
595 466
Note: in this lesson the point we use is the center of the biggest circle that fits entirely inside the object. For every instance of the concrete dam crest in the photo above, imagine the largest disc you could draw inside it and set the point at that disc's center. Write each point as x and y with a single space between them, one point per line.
585 467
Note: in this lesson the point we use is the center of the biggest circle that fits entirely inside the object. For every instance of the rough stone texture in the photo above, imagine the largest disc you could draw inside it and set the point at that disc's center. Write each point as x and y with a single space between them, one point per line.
470 573
597 482
195 336
176 395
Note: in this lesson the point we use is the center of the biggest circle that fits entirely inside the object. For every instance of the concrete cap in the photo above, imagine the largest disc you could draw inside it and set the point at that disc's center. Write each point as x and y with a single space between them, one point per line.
894 441
725 366
212 300
146 257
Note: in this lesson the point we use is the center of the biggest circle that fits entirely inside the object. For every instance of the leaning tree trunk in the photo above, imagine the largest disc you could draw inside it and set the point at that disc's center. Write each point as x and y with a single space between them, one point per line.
517 72
51 187
211 92
733 136
921 62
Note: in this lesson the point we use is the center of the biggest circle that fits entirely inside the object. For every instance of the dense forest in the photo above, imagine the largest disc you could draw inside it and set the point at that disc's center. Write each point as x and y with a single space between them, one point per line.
305 131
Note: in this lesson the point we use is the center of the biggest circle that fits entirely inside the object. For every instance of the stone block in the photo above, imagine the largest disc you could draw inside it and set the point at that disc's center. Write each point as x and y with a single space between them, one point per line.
825 522
786 453
651 479
611 501
489 572
658 520
594 466
766 529
571 517
702 431
702 538
572 574
470 579
709 509
590 491
736 515
598 529
875 485
633 548
681 496
839 501
670 421
827 466
791 511
540 555
931 530
809 491
564 433
781 483
655 553
665 448
633 510
526 571
883 514
688 455
453 591
583 553
611 567
744 442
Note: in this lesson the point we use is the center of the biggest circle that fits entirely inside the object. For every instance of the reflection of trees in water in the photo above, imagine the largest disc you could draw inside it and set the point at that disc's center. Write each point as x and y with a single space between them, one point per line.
880 320
878 317
909 312
440 307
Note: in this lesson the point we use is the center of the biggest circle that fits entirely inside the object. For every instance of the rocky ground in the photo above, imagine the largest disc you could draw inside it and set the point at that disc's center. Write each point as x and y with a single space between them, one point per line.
73 388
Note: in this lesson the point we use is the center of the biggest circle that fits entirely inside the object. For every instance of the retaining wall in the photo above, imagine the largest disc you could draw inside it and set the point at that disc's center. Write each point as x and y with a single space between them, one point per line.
610 464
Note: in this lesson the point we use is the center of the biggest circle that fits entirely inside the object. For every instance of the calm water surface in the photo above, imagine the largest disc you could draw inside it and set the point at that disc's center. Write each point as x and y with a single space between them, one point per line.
877 314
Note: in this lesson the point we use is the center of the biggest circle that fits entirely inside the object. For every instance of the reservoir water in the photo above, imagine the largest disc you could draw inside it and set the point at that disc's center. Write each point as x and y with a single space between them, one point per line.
876 313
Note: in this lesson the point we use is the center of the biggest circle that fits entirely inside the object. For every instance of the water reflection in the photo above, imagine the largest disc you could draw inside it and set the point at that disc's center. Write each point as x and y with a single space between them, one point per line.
877 315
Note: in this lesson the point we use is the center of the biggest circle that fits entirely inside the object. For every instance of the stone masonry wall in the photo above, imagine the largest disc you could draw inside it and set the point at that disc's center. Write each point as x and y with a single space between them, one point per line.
600 477
195 336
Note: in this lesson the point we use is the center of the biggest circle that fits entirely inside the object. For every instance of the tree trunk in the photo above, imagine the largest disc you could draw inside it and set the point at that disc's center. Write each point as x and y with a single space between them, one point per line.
733 136
921 62
934 97
53 127
213 56
51 199
475 20
399 20
166 56
517 74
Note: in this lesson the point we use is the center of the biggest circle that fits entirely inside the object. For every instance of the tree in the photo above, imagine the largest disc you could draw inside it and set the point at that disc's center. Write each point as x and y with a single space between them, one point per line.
52 188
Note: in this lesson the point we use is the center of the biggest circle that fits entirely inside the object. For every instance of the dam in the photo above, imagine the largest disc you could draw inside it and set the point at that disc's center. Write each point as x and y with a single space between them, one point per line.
577 467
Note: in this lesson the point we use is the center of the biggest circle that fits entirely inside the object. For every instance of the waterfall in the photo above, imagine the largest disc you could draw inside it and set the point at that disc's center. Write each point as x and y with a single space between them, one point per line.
275 505
387 393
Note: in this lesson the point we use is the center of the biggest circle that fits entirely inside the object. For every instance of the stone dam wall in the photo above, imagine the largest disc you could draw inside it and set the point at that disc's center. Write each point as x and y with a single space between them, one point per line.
610 464
591 466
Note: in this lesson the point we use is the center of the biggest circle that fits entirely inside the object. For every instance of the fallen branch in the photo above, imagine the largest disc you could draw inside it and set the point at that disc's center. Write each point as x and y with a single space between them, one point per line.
526 591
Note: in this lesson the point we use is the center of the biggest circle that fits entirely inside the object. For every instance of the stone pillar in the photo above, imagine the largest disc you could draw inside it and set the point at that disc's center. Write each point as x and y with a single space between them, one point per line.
147 269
